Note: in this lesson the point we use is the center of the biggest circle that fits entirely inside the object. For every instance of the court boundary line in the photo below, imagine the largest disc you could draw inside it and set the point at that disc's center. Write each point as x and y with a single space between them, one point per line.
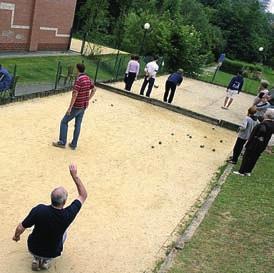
196 221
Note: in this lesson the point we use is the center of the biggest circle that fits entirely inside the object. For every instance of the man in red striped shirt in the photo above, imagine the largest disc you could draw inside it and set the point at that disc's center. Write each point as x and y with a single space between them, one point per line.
83 91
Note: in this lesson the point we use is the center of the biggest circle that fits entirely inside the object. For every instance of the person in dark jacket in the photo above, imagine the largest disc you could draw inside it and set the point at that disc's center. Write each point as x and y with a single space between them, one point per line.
235 87
5 79
172 82
257 143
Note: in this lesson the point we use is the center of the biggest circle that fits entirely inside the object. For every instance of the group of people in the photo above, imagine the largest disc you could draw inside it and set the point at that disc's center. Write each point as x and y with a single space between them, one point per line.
256 131
151 69
52 221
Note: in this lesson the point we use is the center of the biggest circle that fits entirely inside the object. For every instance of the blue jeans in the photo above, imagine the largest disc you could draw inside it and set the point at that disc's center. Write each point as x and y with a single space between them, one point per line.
78 114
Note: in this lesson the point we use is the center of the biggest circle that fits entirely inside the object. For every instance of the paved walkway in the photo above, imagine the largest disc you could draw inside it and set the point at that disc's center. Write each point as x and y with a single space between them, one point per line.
202 98
76 45
37 54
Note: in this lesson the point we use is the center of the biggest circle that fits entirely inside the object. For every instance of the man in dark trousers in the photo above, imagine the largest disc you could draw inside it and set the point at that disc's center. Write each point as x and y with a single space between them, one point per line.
5 79
50 224
257 143
235 86
132 72
151 70
172 82
83 91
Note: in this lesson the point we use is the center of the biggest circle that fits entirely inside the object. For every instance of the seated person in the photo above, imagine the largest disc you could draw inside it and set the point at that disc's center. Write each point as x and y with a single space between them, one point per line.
5 79
262 92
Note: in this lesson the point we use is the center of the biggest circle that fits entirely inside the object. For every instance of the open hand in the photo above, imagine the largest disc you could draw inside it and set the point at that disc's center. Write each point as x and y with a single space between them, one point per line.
73 170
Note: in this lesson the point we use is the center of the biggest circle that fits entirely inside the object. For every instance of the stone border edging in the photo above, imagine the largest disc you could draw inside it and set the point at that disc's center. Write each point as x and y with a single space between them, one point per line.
195 223
222 123
34 95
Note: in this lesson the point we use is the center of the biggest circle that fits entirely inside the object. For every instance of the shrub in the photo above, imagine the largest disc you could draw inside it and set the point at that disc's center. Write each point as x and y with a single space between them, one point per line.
233 67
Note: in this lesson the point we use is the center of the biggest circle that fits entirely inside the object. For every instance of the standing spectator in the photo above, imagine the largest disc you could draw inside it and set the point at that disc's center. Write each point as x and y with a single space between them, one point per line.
257 143
5 79
244 132
172 82
234 88
132 72
51 223
151 70
261 107
83 91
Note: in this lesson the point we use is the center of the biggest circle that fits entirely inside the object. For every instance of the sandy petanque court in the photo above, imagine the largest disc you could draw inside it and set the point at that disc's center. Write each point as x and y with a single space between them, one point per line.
137 194
200 97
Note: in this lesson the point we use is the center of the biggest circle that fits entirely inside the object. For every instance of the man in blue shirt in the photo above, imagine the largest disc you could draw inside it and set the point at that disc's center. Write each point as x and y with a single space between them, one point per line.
5 79
234 88
172 82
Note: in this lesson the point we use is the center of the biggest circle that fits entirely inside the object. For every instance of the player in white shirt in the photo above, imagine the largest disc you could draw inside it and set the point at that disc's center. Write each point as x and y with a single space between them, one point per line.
151 70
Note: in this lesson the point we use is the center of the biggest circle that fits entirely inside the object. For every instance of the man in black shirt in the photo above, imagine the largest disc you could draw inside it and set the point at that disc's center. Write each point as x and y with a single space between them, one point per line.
50 224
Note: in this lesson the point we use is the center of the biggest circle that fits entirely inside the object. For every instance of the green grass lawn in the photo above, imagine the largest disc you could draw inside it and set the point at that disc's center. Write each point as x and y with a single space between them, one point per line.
237 235
43 69
250 86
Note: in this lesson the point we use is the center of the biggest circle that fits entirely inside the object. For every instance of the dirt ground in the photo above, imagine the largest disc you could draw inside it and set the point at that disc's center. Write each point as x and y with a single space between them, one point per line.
137 194
76 45
201 97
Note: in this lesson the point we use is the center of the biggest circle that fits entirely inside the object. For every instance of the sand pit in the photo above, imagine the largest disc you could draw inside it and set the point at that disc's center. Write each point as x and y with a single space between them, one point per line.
137 194
201 97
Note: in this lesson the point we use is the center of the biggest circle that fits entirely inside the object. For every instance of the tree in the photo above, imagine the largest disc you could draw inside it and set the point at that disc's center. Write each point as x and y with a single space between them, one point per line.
94 15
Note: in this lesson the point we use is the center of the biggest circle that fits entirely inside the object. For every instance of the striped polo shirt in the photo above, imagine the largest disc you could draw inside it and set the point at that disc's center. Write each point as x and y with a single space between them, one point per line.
82 86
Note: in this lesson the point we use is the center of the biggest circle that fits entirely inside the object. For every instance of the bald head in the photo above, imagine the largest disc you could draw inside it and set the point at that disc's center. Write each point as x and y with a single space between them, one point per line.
59 197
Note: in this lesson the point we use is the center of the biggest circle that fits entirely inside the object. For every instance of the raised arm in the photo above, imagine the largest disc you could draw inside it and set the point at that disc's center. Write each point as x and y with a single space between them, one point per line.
80 187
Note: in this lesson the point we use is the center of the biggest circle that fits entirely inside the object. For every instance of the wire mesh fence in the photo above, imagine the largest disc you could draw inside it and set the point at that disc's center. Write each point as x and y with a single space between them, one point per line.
36 76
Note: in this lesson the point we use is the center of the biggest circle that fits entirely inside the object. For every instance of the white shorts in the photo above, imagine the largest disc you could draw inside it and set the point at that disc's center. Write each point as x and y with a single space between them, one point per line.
231 93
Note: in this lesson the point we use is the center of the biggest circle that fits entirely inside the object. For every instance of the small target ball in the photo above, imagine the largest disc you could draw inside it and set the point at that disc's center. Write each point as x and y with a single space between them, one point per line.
213 128
202 146
213 150
160 142
152 147
190 136
221 141
205 136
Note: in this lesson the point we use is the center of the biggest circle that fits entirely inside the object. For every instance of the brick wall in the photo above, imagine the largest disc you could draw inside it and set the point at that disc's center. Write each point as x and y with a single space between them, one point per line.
35 24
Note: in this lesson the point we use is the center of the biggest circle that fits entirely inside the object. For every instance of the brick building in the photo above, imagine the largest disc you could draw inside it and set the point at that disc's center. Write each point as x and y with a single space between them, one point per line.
36 24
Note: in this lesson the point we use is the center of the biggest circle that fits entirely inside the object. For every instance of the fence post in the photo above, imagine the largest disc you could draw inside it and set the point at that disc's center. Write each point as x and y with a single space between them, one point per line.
14 81
83 43
118 68
57 75
97 69
116 59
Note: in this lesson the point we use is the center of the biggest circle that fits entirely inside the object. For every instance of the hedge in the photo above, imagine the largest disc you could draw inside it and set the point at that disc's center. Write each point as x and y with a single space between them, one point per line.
233 67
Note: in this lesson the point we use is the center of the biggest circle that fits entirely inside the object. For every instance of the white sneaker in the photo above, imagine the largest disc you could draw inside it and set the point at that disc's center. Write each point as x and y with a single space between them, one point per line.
247 174
45 264
241 174
35 265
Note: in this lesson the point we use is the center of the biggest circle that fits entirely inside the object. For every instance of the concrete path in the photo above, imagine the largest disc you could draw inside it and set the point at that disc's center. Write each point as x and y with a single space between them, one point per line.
202 98
25 54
